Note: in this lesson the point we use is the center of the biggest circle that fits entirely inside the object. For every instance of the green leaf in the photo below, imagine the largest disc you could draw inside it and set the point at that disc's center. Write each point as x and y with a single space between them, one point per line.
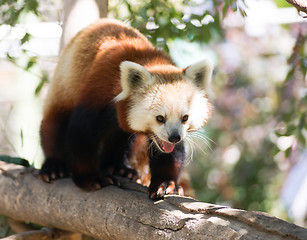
10 58
5 229
275 150
288 152
13 16
15 160
303 64
31 5
44 80
301 138
31 62
282 4
25 38
243 13
290 74
225 9
302 122
290 130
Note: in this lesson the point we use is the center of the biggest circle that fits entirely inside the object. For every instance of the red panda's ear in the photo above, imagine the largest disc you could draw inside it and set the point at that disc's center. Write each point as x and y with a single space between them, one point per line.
200 73
132 75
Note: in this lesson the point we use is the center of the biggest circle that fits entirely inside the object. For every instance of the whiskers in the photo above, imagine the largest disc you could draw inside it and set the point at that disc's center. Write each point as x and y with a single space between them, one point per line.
132 135
153 146
197 141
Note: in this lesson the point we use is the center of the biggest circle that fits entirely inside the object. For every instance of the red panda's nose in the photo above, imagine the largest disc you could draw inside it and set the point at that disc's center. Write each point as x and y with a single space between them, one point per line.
174 138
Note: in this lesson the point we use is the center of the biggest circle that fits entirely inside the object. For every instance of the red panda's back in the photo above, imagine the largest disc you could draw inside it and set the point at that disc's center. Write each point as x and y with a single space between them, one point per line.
79 57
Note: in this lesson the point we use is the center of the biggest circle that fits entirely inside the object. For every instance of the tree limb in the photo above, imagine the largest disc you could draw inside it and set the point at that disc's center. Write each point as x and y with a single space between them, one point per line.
127 212
44 234
79 14
300 5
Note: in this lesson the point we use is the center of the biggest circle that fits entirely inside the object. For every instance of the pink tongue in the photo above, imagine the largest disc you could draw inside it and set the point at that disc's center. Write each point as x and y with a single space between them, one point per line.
167 147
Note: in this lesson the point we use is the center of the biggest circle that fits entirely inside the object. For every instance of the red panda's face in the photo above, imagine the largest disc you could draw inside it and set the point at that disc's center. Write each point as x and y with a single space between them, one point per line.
166 108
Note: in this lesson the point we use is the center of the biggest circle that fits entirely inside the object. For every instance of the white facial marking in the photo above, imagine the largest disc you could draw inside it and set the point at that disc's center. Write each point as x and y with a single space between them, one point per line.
172 101
150 96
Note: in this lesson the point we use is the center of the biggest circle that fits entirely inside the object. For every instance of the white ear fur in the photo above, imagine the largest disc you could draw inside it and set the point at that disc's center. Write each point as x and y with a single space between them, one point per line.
131 75
200 73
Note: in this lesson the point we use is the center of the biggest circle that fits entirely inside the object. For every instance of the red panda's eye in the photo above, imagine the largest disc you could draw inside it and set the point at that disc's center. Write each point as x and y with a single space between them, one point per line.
185 118
160 119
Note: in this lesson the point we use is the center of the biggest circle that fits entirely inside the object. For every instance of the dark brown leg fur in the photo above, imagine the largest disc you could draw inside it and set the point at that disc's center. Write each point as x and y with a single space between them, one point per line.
165 171
53 129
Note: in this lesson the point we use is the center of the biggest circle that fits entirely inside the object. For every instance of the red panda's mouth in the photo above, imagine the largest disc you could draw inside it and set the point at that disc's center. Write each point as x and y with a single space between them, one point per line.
167 147
162 145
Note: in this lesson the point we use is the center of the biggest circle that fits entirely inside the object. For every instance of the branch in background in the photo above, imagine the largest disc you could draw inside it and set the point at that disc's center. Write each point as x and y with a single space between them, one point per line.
90 10
128 213
300 5
44 234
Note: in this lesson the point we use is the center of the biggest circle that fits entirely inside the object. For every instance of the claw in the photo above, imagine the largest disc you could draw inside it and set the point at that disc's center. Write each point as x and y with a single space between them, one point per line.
93 183
126 172
165 188
52 170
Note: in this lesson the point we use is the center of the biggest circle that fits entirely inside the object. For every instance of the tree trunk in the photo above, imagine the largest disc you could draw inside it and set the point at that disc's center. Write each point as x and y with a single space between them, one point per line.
78 14
128 213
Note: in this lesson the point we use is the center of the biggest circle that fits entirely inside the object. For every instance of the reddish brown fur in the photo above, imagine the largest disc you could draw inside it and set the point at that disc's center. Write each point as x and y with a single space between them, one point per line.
88 73
94 75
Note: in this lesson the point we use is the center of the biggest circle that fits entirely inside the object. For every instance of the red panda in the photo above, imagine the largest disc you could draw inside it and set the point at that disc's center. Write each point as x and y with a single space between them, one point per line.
111 85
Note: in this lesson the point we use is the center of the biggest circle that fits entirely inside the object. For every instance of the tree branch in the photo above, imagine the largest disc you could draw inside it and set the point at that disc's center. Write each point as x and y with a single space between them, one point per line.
300 5
127 212
44 234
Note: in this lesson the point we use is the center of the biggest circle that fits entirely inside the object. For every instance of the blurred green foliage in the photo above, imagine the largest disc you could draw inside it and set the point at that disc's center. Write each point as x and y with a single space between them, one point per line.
11 10
294 115
12 13
248 116
5 229
162 20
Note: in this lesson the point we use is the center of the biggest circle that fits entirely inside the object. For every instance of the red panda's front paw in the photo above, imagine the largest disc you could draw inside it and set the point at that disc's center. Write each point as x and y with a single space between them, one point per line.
52 170
94 183
124 171
165 188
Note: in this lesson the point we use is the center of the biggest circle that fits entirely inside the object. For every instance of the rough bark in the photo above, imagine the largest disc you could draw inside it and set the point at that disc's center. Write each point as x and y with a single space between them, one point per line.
127 212
300 5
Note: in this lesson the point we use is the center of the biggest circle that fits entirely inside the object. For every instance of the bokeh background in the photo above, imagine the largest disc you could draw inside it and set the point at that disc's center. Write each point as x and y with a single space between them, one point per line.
252 155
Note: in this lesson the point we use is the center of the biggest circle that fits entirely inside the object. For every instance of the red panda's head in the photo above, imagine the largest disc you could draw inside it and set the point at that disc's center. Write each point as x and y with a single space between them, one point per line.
166 105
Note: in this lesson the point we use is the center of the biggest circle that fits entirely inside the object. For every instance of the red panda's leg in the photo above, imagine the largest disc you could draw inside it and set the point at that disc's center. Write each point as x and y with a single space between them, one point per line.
115 154
165 170
84 133
94 145
53 131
